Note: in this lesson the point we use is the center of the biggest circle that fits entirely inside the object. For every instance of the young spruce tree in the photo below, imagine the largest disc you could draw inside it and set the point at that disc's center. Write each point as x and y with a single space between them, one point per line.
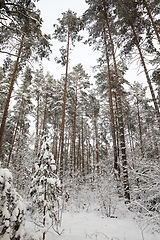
46 188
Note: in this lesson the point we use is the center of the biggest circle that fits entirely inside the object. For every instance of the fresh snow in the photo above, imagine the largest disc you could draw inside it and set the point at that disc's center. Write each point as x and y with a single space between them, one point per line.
92 225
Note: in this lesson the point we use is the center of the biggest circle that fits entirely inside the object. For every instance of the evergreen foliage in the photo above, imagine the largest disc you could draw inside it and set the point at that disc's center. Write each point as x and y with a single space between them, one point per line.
12 209
46 187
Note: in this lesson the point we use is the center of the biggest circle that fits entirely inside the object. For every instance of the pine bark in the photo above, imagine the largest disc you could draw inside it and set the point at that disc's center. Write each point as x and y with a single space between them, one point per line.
44 211
45 115
15 133
79 153
73 132
82 140
139 124
3 124
64 104
106 142
37 126
21 130
97 145
111 105
55 139
121 125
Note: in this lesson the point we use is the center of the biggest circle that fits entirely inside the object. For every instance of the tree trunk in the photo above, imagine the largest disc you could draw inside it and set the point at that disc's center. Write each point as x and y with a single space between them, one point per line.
151 18
79 154
147 75
61 160
44 121
97 145
45 116
37 126
64 102
73 131
21 129
83 165
106 142
44 211
111 106
117 128
55 139
139 124
15 133
121 127
3 124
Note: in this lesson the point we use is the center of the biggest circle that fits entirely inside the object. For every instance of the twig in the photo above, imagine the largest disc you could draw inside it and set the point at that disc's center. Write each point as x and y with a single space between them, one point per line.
59 233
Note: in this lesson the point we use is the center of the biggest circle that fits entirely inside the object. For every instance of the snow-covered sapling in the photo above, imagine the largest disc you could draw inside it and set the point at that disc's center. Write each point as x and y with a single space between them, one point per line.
46 188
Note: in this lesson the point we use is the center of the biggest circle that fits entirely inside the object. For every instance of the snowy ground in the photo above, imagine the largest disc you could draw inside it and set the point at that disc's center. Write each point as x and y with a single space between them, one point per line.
92 225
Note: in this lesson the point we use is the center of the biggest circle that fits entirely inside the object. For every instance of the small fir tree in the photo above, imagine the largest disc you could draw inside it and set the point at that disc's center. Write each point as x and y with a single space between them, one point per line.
46 188
12 209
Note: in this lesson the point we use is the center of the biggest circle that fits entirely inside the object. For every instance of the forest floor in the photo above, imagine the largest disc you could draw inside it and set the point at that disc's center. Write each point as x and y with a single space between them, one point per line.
86 225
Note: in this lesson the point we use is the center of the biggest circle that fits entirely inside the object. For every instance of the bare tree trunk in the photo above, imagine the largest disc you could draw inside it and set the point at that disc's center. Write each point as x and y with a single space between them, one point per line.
45 115
55 140
117 128
74 155
44 121
44 211
3 124
20 134
68 145
106 142
139 124
79 154
61 160
147 75
73 131
64 102
121 125
15 133
111 105
97 145
88 152
37 126
129 135
83 165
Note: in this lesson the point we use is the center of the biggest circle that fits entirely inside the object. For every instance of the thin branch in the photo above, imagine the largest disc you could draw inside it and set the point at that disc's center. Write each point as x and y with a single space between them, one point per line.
11 54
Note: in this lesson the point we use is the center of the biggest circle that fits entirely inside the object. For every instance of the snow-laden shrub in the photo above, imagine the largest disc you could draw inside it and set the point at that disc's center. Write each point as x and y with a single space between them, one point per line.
12 209
46 188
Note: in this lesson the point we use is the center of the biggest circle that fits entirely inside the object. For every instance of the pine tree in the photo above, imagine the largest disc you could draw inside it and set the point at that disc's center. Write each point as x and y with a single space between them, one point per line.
65 32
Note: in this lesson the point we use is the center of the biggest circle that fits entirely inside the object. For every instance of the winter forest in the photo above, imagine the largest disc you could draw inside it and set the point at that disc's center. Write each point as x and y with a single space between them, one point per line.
73 154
